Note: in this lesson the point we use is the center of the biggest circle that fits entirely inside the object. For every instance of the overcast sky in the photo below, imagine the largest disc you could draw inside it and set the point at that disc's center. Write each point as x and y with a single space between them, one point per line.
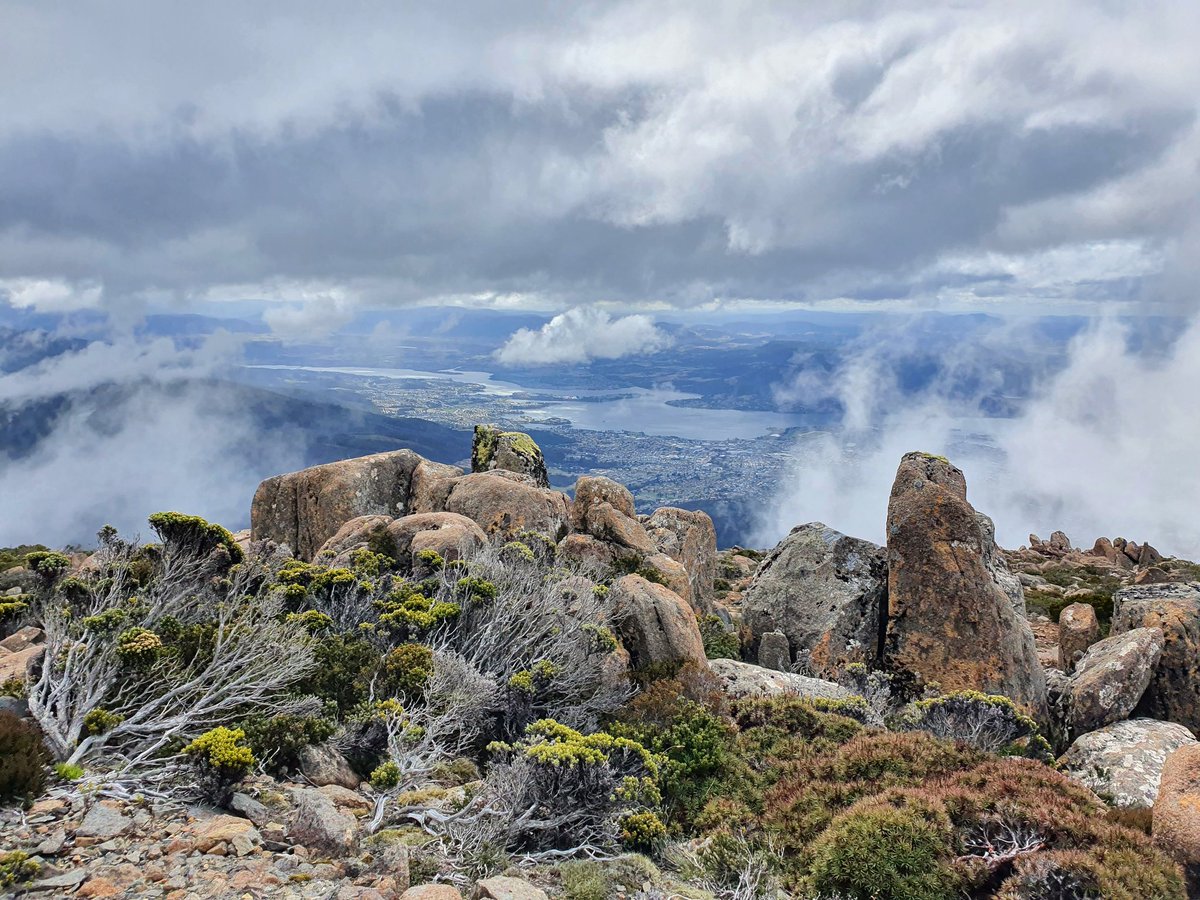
993 155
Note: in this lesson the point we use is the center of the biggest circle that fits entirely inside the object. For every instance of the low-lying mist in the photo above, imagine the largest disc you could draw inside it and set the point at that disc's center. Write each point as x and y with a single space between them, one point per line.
1106 443
132 427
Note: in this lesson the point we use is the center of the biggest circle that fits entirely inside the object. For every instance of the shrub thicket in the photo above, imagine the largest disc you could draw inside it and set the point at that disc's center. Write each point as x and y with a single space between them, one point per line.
23 760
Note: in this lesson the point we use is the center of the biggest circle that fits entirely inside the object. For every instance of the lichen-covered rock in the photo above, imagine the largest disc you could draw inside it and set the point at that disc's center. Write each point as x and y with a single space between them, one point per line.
1111 677
512 451
305 509
319 825
431 891
775 651
949 620
323 764
104 821
431 483
604 521
356 534
1124 761
238 834
655 625
503 888
586 552
825 592
688 536
505 506
742 679
1078 629
1174 691
593 489
673 573
1176 817
449 535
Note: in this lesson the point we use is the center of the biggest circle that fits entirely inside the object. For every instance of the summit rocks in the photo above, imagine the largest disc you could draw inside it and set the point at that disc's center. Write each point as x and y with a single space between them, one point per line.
951 620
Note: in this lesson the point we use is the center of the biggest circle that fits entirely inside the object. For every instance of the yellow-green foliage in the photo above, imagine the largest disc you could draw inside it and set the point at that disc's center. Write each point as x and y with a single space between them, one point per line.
223 750
370 563
312 621
47 563
554 744
405 611
13 608
517 550
386 776
98 721
406 670
430 559
108 622
642 830
139 647
602 638
16 867
68 771
194 533
472 589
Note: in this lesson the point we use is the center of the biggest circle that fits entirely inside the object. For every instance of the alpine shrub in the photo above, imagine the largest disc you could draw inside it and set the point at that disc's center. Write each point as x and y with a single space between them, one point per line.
23 760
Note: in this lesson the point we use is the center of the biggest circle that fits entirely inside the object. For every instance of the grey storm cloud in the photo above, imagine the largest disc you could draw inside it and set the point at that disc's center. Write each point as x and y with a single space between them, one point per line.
630 151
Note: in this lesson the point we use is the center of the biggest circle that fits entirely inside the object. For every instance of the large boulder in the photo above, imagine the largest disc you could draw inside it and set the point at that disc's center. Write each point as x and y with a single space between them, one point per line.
304 509
449 535
504 504
1174 691
826 592
1124 761
742 679
431 483
323 764
511 451
609 524
591 490
655 625
1111 677
1176 817
587 553
949 619
688 536
357 534
1078 629
319 825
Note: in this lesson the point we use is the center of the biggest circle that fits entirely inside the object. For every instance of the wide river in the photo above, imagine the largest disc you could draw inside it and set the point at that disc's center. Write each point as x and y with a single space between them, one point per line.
647 410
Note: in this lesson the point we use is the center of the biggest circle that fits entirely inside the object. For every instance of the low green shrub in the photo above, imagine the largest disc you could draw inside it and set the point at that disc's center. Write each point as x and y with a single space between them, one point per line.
222 759
887 849
277 740
16 868
23 760
719 642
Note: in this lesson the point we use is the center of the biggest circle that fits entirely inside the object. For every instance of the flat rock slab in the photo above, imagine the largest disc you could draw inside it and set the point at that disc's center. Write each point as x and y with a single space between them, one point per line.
1124 761
104 822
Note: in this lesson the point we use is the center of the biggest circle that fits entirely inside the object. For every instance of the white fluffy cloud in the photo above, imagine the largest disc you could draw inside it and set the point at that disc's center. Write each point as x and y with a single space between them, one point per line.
580 335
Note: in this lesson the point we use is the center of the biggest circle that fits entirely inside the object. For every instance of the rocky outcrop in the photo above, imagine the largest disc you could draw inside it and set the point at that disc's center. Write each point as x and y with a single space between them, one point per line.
1174 691
504 504
592 490
949 618
587 553
825 592
741 679
655 625
510 451
1176 817
431 483
324 765
688 536
319 825
305 509
1124 761
449 535
357 534
1111 677
504 888
1078 629
607 523
775 651
20 652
